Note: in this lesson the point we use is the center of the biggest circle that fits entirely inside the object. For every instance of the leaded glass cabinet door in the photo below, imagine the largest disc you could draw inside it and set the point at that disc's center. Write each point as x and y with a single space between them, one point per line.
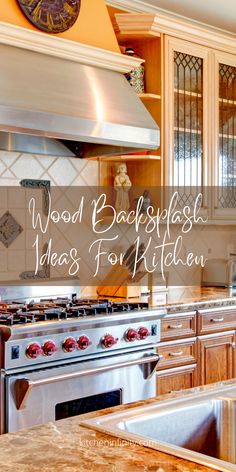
186 118
224 164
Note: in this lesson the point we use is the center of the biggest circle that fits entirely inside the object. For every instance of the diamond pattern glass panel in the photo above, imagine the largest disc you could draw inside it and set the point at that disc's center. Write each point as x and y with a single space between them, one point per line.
227 137
188 82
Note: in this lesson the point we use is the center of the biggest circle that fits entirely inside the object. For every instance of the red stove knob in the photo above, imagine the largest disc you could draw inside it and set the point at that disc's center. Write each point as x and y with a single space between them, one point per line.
131 335
108 341
49 348
143 332
83 342
69 345
34 350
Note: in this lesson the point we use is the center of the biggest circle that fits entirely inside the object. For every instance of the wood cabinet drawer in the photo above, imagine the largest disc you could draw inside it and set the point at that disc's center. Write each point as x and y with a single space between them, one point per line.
216 320
177 353
179 378
181 325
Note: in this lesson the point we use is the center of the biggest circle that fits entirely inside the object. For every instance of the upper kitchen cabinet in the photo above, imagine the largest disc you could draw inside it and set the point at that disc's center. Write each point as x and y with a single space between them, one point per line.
224 122
186 114
200 125
190 90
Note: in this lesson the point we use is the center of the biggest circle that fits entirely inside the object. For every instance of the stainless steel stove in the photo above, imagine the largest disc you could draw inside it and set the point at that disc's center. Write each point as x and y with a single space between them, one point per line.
63 356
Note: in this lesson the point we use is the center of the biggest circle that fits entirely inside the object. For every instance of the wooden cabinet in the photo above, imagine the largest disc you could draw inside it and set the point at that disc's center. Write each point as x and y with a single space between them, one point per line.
224 122
181 325
216 357
143 168
216 320
177 369
186 106
206 356
200 130
196 84
177 353
175 379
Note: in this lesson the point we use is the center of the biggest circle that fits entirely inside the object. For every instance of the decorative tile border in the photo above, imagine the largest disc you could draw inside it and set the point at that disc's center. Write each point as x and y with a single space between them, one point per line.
9 229
41 274
40 184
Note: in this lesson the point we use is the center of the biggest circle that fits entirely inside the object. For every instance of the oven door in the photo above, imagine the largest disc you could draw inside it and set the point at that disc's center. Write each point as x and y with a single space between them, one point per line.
59 392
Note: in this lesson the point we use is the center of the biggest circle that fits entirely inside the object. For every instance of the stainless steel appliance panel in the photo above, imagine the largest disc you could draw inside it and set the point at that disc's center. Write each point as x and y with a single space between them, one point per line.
133 374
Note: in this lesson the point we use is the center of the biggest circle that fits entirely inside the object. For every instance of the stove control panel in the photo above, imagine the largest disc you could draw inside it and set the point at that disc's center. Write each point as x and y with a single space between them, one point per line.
77 341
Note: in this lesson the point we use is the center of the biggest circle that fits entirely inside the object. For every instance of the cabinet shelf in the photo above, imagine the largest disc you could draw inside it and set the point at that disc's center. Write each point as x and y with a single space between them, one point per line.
227 102
128 157
149 96
189 94
227 136
187 130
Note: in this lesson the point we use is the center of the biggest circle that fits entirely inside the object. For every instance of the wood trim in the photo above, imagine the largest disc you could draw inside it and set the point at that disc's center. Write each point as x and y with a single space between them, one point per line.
65 49
177 26
131 6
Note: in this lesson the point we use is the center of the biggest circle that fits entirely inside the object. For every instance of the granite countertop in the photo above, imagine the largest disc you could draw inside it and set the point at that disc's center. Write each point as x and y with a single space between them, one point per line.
190 298
66 446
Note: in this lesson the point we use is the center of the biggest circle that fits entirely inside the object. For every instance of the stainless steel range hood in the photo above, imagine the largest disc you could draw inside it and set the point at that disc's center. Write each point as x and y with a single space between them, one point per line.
54 106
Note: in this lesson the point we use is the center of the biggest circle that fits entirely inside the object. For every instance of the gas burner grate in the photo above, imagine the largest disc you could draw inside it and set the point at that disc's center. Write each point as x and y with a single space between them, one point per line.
58 309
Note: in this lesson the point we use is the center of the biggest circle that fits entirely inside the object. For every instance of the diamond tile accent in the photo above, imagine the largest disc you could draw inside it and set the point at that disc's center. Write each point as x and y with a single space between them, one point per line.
27 168
9 229
62 172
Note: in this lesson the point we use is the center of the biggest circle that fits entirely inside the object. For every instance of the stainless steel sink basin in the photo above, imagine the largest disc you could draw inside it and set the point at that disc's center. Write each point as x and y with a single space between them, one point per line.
199 427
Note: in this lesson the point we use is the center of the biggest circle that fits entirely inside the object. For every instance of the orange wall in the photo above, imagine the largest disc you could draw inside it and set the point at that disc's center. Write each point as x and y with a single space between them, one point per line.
93 26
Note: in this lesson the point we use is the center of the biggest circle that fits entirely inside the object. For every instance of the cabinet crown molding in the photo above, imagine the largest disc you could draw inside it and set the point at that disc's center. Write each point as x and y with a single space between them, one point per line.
153 24
63 48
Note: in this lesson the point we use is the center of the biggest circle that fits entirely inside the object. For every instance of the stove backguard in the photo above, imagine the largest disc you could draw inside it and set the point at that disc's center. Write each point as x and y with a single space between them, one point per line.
34 291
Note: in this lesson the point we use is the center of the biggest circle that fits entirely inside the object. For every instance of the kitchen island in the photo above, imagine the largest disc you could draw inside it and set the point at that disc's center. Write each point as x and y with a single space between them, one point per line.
67 446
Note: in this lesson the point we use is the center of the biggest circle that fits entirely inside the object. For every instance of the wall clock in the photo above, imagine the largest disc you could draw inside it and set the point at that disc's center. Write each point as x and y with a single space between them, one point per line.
52 16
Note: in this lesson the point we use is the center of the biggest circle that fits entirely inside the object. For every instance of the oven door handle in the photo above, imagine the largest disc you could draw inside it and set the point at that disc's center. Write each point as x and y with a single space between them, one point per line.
23 386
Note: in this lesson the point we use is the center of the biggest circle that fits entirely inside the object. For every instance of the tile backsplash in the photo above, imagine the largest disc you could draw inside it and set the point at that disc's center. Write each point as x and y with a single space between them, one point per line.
59 171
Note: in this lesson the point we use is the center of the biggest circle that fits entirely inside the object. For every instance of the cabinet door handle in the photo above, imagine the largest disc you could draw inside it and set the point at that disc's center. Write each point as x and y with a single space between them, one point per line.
176 326
176 354
217 320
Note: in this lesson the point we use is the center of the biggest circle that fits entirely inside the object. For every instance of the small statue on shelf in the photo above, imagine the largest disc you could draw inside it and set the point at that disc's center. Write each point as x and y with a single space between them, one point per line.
122 186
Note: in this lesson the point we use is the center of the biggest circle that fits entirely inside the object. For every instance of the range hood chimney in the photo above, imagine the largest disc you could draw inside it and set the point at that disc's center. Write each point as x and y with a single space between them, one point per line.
55 106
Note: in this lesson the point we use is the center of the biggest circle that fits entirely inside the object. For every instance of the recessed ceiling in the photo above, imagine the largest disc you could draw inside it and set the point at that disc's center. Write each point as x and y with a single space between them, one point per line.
219 13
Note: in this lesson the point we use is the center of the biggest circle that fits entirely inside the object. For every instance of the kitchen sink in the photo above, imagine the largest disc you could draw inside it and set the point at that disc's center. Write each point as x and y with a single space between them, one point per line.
200 427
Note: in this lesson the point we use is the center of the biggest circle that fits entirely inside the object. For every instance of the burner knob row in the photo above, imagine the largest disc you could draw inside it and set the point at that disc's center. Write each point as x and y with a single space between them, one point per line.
70 344
134 335
34 350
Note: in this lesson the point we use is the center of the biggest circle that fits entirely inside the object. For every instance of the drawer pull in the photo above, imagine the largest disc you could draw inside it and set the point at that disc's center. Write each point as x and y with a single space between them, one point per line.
176 354
176 326
217 320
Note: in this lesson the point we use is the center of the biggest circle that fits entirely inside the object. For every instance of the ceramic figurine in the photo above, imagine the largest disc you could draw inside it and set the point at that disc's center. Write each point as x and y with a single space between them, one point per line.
122 186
